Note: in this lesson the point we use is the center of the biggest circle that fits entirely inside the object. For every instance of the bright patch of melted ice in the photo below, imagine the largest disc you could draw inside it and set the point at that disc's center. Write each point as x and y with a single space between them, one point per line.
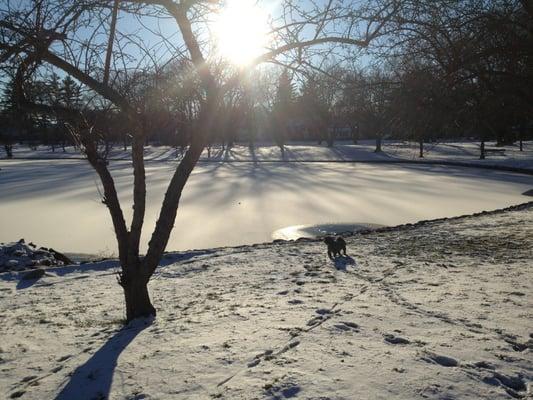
313 231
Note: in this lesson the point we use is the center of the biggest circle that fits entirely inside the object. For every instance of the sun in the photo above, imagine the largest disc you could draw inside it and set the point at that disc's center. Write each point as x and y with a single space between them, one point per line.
240 31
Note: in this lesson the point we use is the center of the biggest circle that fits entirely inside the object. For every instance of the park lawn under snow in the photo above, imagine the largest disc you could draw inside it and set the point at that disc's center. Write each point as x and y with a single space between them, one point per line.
57 203
441 310
343 150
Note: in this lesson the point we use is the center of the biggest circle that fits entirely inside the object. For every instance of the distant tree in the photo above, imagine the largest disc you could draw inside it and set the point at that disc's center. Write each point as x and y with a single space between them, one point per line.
8 119
483 51
282 110
376 114
313 108
352 102
419 105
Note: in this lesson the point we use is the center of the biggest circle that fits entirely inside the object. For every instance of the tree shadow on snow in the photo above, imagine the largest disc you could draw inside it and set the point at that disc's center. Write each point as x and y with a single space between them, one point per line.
94 378
342 262
174 257
26 283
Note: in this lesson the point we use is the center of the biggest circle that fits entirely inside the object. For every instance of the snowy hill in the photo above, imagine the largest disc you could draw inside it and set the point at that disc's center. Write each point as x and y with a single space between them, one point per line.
438 310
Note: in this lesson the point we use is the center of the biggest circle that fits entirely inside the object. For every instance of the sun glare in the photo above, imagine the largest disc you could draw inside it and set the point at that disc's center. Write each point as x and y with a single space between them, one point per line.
240 31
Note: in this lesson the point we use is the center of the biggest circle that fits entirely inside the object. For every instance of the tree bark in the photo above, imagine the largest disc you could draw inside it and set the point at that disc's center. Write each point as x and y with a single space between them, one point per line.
421 149
482 150
138 304
139 195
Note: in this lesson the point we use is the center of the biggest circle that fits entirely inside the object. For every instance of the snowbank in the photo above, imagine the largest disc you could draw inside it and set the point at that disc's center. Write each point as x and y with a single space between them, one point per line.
19 256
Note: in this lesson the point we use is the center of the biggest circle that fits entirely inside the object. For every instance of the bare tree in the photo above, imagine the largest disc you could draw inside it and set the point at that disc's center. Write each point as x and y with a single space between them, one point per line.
53 33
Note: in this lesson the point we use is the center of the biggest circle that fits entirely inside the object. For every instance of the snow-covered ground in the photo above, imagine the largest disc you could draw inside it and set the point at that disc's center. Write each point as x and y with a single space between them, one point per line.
441 310
466 152
56 203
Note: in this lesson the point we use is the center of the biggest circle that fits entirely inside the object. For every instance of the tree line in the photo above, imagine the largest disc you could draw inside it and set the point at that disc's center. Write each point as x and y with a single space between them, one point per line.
461 71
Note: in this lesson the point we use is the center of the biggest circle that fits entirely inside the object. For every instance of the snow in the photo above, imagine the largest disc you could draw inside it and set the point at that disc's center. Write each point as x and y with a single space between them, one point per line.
393 151
18 256
57 203
437 310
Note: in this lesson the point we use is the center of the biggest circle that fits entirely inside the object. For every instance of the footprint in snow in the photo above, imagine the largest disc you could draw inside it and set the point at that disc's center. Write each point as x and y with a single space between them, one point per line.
347 326
443 361
295 301
284 392
389 338
513 385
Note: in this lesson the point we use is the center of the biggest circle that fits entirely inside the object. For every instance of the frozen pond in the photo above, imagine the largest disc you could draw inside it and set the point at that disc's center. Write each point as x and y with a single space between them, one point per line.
56 203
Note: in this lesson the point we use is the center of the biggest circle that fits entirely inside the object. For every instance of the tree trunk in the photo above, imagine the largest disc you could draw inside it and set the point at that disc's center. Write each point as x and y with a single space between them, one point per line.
521 135
378 145
355 133
421 149
9 150
138 302
482 150
331 137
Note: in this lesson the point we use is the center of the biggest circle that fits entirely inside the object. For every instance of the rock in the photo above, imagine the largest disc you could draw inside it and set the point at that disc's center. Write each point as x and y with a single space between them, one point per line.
34 274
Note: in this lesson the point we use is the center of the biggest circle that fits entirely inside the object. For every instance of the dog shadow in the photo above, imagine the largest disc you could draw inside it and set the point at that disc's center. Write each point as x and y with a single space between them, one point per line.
341 263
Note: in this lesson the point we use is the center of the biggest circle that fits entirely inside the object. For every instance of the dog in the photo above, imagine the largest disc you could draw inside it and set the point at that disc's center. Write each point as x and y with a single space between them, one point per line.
335 246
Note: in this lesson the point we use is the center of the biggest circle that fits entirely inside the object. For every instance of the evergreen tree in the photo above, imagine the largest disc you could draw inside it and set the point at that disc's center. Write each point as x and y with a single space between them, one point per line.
282 110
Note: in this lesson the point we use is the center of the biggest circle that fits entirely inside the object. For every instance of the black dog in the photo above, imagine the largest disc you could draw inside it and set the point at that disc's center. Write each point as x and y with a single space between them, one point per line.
335 246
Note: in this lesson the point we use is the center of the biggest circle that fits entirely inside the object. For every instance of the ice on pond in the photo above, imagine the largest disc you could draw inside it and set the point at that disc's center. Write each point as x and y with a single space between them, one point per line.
313 231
